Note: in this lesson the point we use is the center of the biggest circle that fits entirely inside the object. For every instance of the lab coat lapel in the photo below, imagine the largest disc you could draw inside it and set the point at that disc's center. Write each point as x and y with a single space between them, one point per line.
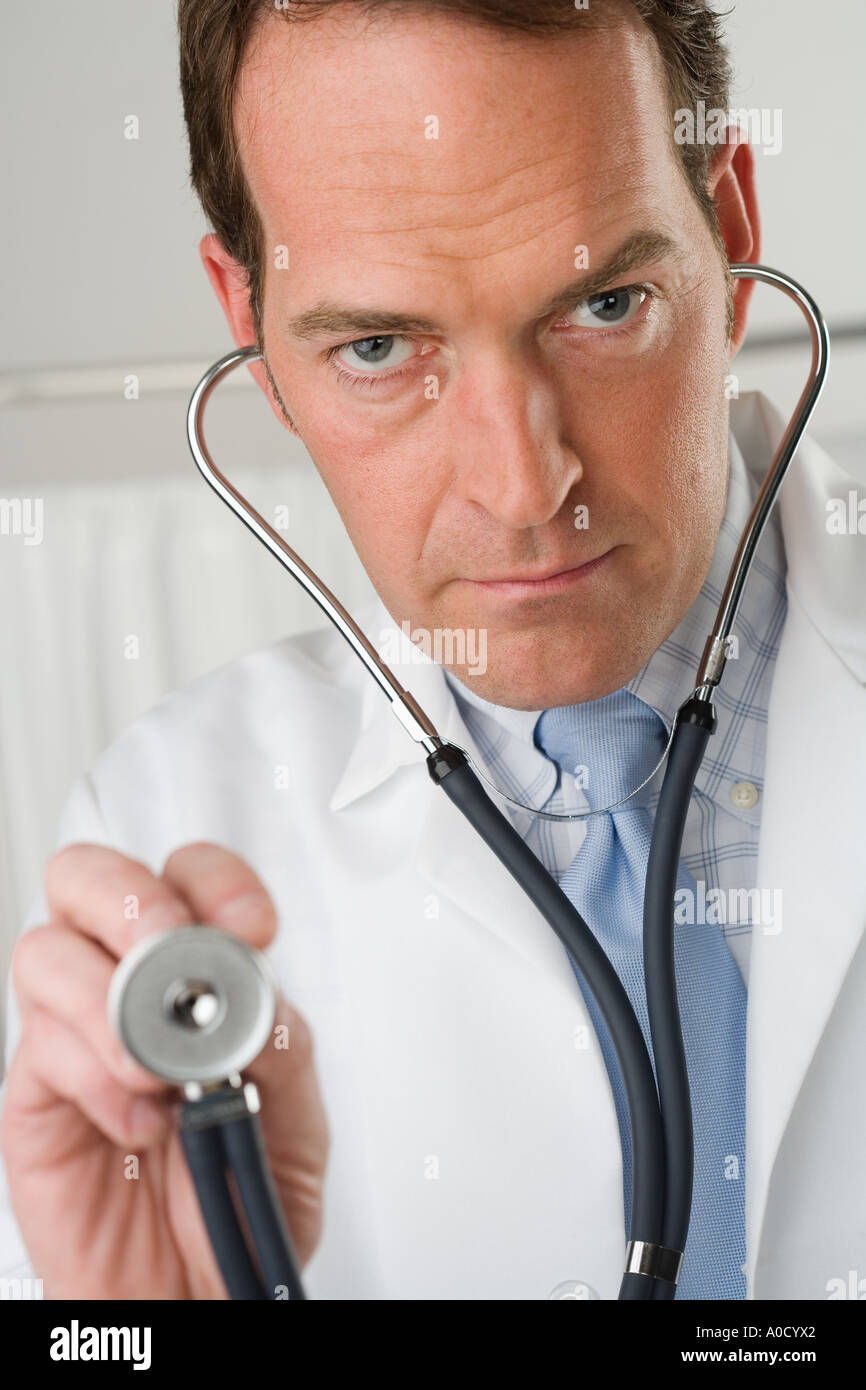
812 855
459 866
813 816
450 855
457 863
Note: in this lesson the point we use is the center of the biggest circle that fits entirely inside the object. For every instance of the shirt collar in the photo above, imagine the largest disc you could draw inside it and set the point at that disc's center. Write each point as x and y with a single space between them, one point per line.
523 771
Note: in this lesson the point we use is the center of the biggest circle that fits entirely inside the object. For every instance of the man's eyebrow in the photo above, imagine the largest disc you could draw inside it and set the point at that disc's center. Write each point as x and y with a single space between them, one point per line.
642 248
328 318
339 320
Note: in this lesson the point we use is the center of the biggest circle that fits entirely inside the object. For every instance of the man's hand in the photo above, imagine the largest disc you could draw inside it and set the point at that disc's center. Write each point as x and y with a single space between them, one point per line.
97 1176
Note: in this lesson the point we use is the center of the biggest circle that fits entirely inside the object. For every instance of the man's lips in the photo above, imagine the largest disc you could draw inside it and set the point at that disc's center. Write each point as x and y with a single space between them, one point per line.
544 582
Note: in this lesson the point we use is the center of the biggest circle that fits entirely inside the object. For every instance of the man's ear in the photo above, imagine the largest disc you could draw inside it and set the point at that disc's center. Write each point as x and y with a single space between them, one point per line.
230 287
731 183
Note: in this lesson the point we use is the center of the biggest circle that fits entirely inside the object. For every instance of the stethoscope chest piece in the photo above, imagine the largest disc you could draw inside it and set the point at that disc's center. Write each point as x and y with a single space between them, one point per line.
193 1004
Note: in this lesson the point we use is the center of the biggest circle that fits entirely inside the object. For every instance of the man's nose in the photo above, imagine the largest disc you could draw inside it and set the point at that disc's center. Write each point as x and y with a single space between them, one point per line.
514 454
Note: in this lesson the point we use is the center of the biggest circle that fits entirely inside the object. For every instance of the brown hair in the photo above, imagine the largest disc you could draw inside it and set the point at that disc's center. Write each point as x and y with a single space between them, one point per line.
214 35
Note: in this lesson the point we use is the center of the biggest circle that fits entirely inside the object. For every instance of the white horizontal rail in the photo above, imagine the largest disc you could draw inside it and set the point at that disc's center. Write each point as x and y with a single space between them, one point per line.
77 383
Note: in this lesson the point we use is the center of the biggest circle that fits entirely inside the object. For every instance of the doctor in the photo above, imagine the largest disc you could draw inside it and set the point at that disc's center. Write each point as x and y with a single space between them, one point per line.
492 294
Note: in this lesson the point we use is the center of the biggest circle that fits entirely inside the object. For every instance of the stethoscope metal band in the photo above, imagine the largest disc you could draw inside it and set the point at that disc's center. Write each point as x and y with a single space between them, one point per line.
235 1099
641 1257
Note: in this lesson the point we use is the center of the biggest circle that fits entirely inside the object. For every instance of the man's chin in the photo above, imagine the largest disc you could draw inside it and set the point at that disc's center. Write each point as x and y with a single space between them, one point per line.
548 685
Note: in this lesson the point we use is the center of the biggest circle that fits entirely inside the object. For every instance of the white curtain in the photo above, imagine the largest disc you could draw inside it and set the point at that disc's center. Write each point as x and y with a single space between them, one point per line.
137 587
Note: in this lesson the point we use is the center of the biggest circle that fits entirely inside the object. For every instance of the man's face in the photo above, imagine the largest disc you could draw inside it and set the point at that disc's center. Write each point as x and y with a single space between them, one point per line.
480 423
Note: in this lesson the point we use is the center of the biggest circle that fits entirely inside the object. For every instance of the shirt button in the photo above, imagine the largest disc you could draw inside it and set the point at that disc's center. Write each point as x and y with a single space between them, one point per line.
744 795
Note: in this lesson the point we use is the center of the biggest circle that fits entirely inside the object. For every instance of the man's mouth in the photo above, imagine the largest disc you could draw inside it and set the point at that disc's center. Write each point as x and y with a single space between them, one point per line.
554 579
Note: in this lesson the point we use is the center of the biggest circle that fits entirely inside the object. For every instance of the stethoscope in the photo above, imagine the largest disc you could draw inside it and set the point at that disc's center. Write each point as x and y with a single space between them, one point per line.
196 1006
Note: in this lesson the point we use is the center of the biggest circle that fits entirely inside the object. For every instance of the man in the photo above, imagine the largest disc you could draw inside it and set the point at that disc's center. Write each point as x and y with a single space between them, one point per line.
492 294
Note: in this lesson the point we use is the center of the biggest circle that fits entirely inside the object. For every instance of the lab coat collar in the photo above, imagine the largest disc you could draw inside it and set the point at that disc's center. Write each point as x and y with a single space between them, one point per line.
383 746
384 750
826 572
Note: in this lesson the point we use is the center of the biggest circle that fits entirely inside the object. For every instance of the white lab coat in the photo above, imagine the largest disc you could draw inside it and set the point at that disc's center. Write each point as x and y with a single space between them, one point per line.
475 1145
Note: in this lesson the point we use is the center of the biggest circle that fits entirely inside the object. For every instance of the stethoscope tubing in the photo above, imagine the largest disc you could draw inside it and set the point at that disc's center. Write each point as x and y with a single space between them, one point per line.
449 768
694 725
212 1152
208 1166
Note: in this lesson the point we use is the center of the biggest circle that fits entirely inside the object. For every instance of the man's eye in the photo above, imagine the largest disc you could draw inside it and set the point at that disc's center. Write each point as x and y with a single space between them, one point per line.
374 355
609 309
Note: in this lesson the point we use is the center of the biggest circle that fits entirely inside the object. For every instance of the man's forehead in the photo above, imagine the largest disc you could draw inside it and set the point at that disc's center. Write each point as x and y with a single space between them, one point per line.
430 122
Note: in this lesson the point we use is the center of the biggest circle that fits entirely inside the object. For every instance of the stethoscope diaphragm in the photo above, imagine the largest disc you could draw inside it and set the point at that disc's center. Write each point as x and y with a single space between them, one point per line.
193 1004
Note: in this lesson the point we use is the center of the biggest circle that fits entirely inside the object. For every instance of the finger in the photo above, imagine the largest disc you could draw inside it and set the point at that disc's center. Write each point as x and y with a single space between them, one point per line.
110 898
294 1126
223 890
53 1063
293 1113
65 975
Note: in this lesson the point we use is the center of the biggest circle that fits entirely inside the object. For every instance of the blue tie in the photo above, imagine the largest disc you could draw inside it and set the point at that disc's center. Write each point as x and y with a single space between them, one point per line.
610 745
